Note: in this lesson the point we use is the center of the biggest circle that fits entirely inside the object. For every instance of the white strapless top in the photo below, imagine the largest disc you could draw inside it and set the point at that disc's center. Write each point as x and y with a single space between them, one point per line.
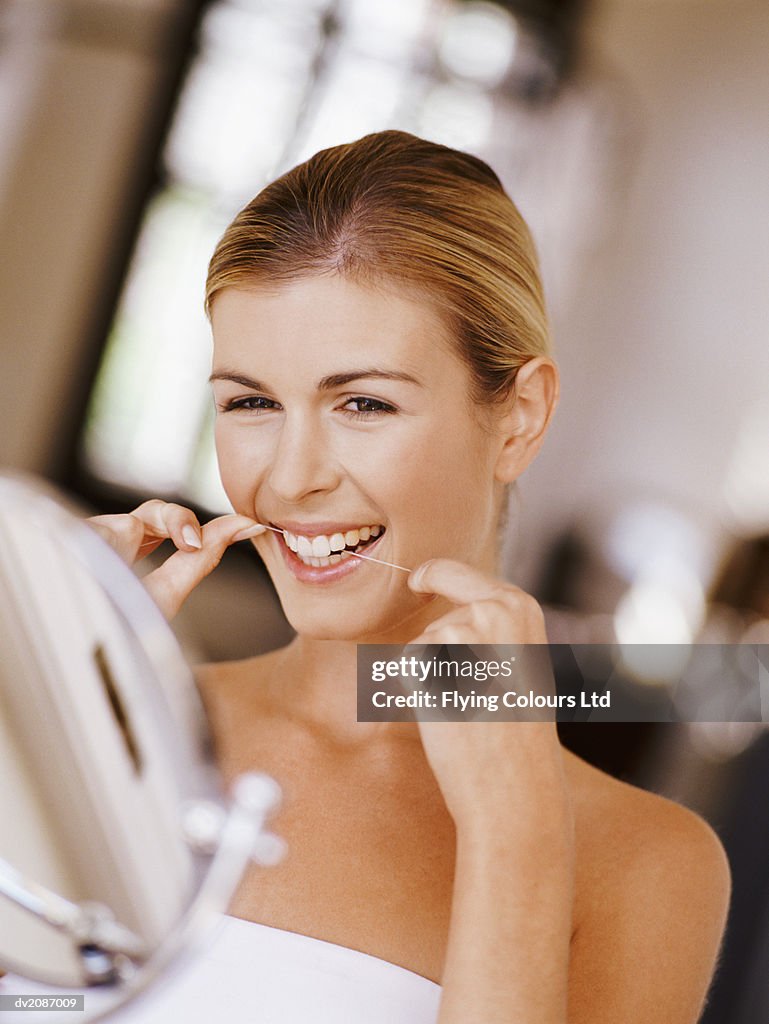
247 973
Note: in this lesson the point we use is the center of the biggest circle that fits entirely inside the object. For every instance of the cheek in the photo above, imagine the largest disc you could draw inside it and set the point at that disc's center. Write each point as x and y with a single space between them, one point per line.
453 498
237 469
450 470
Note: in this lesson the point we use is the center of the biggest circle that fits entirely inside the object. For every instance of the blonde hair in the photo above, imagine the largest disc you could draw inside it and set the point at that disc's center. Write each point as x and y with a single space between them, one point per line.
392 206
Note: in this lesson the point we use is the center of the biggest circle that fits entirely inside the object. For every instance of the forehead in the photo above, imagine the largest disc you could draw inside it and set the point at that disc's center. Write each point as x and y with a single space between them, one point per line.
327 322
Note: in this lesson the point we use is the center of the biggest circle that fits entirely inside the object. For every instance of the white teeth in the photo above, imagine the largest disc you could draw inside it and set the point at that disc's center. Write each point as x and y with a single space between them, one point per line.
320 546
321 562
322 550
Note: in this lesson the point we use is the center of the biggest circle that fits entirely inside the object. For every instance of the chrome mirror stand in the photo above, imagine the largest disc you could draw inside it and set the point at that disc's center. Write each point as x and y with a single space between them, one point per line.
110 953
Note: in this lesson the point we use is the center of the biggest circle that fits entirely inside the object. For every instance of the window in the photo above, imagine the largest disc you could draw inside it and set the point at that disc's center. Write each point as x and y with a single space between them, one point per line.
271 84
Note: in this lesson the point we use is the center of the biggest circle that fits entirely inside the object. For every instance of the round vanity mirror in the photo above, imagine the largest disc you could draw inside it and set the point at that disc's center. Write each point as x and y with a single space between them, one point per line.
117 848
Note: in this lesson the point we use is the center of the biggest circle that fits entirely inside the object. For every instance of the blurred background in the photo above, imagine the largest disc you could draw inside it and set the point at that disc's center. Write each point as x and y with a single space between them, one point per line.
632 134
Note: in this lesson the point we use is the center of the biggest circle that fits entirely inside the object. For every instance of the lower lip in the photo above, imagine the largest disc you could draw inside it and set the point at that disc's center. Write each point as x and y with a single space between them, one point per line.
321 573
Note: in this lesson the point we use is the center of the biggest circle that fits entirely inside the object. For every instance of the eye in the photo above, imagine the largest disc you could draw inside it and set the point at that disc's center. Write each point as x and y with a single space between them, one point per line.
367 408
254 403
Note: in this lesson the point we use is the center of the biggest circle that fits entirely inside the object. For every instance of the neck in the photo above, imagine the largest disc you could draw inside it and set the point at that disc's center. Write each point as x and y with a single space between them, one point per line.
316 681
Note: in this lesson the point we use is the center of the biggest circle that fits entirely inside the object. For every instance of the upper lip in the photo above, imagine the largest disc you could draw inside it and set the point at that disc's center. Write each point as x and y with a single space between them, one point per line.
325 528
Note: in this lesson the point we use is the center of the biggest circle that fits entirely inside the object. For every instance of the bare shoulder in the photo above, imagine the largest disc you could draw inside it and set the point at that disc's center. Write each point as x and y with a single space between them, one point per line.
224 679
235 696
653 889
623 827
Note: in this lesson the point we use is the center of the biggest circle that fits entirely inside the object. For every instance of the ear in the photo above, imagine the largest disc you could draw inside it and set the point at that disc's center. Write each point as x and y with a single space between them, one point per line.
527 416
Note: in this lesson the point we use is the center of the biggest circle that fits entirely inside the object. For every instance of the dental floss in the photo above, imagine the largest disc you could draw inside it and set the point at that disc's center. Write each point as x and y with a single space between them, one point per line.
370 558
353 554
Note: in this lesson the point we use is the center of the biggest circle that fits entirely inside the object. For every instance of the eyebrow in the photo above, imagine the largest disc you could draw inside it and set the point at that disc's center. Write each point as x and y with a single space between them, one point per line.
333 380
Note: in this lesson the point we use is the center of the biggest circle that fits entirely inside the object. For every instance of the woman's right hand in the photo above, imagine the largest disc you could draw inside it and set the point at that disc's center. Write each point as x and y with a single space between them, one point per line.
199 550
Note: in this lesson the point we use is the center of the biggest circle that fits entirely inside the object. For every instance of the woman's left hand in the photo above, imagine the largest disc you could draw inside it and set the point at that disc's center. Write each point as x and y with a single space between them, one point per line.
487 769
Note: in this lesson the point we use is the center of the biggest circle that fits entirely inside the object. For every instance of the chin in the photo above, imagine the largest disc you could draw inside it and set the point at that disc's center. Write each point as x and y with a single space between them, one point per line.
340 624
320 628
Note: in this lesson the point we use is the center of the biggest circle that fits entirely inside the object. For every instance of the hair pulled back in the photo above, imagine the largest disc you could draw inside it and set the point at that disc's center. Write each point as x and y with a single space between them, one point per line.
394 207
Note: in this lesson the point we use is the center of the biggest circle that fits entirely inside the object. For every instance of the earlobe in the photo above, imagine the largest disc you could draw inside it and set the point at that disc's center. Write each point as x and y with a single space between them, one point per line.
524 425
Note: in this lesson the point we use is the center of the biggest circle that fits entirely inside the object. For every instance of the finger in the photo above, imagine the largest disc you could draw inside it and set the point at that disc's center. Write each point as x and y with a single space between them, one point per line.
447 633
171 584
136 534
456 581
462 625
125 534
168 519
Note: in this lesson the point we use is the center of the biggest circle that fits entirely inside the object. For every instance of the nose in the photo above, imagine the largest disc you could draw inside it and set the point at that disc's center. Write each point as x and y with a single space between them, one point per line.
303 462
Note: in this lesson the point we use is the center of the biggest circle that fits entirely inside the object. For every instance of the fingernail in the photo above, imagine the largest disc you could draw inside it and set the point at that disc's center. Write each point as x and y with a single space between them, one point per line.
415 580
250 531
190 535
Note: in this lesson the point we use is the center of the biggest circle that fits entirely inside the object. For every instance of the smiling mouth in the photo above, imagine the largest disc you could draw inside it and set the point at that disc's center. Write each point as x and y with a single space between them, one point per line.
331 549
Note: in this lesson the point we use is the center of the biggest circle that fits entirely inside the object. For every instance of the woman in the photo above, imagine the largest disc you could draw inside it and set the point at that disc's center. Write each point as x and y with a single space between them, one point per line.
381 375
